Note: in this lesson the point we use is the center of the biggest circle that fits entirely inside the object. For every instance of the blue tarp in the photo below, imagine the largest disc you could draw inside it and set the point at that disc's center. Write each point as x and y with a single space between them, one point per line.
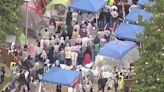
116 49
133 15
129 31
92 6
61 76
145 2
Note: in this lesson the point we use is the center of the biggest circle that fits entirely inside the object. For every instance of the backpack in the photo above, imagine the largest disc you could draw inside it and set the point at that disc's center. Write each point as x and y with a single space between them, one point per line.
96 47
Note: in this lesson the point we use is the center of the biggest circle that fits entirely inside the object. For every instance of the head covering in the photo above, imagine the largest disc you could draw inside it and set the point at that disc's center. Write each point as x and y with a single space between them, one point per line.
52 38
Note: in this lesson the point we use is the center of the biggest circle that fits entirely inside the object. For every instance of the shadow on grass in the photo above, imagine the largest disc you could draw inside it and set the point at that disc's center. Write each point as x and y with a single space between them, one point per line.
6 81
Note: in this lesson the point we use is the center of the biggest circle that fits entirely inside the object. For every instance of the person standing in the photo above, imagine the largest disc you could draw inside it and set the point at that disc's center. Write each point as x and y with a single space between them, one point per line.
61 56
102 19
74 17
69 17
50 54
114 15
80 57
3 73
101 83
38 51
1 77
87 56
110 84
121 82
96 48
88 86
58 88
116 77
74 56
108 17
68 54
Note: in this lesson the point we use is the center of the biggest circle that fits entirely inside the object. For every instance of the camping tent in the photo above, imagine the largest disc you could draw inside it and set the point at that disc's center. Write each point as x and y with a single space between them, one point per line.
55 2
129 31
133 15
56 8
34 18
116 53
92 6
61 76
145 2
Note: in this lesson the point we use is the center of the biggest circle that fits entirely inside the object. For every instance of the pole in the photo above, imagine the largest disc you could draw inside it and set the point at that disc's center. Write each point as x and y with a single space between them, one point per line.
96 22
123 10
26 27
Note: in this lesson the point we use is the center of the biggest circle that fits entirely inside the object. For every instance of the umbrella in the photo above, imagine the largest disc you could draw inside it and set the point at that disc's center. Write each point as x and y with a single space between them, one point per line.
129 31
133 15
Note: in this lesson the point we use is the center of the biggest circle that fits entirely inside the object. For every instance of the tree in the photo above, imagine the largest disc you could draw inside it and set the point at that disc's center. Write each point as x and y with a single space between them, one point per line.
9 18
149 69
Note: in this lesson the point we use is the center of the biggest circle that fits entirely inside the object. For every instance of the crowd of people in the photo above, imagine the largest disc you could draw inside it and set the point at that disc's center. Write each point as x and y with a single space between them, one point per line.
75 43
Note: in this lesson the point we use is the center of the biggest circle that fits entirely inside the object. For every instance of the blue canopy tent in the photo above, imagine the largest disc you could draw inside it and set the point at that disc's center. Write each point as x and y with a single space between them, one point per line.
129 31
61 76
92 6
116 54
145 2
116 49
133 15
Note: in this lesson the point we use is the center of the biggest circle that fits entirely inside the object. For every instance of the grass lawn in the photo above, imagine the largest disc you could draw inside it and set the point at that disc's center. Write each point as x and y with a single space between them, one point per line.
6 80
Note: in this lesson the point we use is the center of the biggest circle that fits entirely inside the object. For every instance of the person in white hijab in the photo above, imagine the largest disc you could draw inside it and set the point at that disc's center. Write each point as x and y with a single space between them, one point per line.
74 56
52 41
44 55
62 40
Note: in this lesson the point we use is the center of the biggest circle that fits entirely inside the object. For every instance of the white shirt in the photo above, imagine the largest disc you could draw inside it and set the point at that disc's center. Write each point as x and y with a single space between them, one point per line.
46 35
74 56
39 50
26 74
68 52
74 16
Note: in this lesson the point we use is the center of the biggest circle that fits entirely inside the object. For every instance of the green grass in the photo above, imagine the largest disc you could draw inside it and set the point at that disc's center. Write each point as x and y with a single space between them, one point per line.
6 80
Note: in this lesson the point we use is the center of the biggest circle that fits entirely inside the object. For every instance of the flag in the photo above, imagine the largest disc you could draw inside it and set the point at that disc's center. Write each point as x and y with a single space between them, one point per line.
74 85
114 26
123 10
19 56
78 81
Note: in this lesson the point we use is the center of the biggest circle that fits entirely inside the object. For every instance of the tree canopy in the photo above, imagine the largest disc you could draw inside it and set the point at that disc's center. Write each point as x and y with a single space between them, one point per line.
9 18
149 69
